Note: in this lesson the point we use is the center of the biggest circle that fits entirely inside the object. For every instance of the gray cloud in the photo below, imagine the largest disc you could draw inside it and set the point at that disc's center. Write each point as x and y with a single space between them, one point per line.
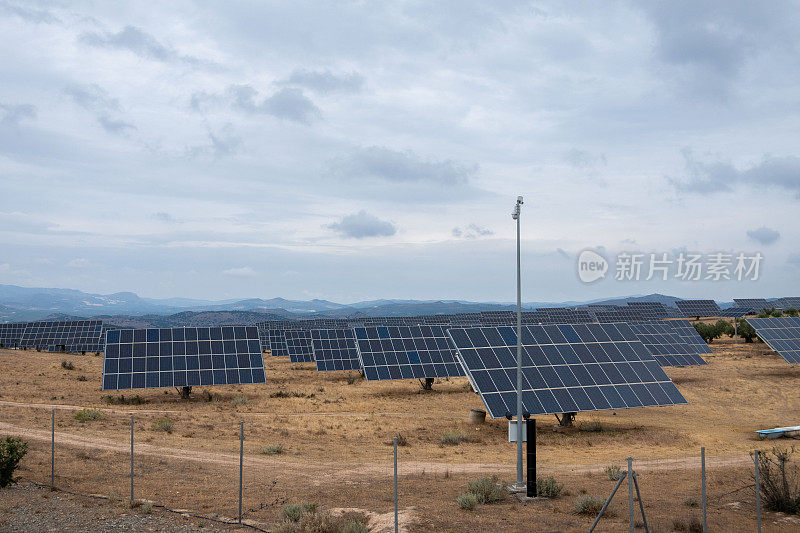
717 176
400 167
220 144
14 113
162 216
794 260
764 235
141 43
287 103
582 159
472 231
97 100
26 13
325 81
362 224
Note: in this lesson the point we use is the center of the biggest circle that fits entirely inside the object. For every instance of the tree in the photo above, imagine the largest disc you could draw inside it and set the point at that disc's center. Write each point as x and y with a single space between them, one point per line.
746 331
12 450
708 332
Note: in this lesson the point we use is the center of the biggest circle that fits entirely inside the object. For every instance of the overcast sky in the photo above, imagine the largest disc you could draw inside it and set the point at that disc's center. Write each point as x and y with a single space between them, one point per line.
363 150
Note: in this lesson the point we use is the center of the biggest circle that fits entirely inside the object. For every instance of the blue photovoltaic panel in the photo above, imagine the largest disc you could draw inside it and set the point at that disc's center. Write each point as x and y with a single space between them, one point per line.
179 357
685 330
11 334
781 334
335 349
622 314
277 342
566 368
735 312
298 345
666 347
691 308
754 304
71 336
406 352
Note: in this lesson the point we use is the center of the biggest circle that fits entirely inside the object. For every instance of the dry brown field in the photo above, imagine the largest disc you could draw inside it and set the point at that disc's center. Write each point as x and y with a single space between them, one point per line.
336 429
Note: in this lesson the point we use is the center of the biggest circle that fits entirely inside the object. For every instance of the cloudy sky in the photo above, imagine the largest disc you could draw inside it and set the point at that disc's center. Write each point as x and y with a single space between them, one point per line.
362 150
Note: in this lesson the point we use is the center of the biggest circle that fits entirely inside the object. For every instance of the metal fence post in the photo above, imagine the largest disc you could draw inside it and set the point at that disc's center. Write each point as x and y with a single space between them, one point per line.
396 522
131 458
241 466
630 495
758 497
53 450
703 486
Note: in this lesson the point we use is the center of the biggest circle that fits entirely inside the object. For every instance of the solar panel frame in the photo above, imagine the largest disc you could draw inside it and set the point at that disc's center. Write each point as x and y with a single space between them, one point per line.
754 304
335 349
72 335
298 345
566 368
180 357
782 334
406 352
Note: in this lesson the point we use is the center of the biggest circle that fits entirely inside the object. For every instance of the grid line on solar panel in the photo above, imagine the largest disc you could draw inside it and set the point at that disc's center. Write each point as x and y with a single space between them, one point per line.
277 342
754 304
685 330
11 334
180 357
620 315
782 334
298 345
566 368
71 335
406 352
335 349
698 307
665 346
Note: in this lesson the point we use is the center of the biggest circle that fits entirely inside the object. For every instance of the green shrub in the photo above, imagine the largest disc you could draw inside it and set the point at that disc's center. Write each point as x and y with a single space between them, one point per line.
273 449
163 424
614 472
312 521
707 331
746 331
293 512
67 365
548 487
724 327
87 415
589 505
240 400
452 438
792 312
467 501
12 450
487 489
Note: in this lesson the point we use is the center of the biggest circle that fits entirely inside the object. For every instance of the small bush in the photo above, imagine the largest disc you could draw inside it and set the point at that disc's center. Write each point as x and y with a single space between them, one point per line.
724 327
792 312
589 505
548 487
289 394
81 378
694 525
163 424
312 521
12 450
691 501
273 449
67 365
293 512
122 400
614 472
780 488
351 378
401 440
240 400
451 438
147 507
467 501
592 426
487 490
87 415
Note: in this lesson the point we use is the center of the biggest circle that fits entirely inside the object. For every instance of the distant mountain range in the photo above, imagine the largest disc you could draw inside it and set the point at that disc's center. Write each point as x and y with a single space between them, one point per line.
19 304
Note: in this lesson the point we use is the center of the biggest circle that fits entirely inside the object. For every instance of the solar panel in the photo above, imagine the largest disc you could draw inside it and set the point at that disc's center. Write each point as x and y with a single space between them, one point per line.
651 310
566 368
754 304
781 334
623 314
11 334
298 345
406 352
666 347
559 315
735 312
276 341
685 330
787 302
335 349
698 307
71 336
180 357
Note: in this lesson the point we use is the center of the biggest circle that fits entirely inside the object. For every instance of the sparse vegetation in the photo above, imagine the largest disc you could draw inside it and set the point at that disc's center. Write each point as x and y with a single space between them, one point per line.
163 424
273 449
290 394
12 450
487 489
792 312
306 518
592 426
401 440
467 501
548 487
88 415
122 400
452 438
780 487
590 505
240 400
67 365
614 472
691 501
81 378
692 526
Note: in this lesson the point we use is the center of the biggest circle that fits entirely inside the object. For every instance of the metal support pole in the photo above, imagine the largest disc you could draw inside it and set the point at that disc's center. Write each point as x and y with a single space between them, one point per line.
641 505
703 485
241 467
608 501
53 451
630 495
531 459
396 521
758 497
515 216
131 458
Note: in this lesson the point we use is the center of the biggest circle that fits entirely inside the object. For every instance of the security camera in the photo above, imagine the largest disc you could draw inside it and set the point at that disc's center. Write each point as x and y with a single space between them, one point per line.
519 199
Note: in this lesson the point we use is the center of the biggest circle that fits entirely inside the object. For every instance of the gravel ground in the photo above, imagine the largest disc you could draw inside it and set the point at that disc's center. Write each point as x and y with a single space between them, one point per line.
28 507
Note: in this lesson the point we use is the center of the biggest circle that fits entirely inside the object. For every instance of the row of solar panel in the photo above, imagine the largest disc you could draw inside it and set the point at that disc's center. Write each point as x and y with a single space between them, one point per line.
74 335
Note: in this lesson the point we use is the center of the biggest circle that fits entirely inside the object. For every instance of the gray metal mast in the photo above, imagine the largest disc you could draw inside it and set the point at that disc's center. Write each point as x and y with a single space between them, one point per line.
520 482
